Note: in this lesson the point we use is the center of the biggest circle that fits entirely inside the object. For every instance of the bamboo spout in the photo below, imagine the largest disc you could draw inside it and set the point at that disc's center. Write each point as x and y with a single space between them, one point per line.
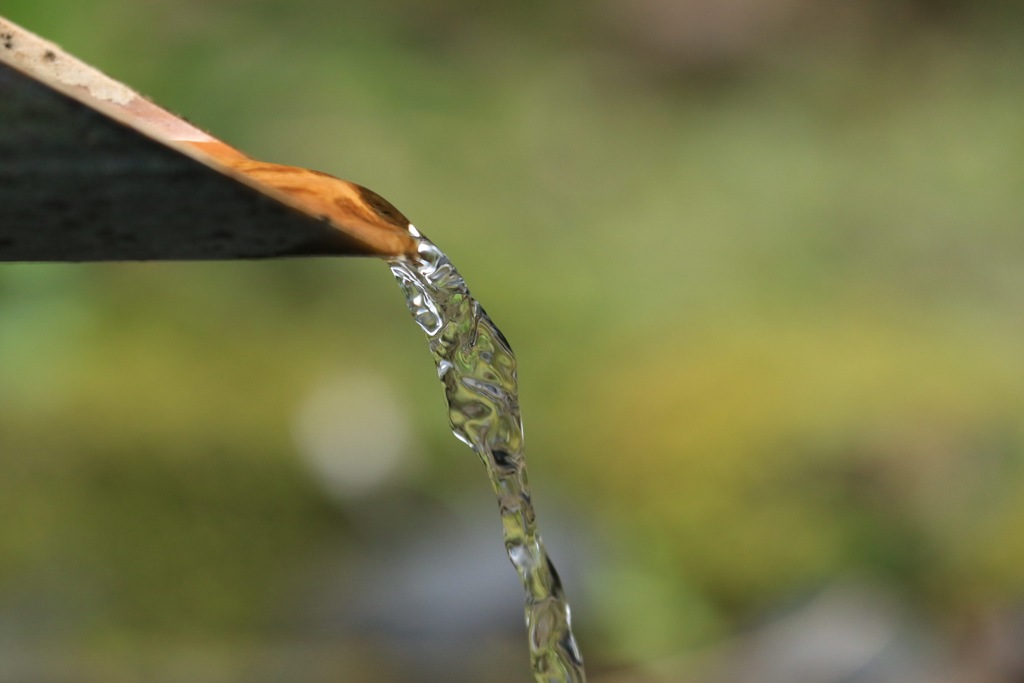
92 171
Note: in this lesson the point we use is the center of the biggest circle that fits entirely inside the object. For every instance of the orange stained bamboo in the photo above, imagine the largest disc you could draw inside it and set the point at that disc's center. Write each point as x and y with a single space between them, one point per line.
92 171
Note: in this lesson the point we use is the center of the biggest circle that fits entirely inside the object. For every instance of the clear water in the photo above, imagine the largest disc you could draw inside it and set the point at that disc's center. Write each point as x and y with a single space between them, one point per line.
478 369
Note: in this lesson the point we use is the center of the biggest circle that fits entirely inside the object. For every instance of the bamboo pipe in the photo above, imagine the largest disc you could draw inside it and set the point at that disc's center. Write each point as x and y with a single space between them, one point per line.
92 171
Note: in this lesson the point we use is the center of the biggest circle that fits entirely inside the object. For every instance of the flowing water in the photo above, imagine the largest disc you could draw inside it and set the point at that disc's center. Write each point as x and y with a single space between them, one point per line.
478 369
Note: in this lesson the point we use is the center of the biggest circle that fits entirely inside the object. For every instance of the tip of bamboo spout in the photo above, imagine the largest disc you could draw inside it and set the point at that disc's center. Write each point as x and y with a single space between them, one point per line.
337 201
92 171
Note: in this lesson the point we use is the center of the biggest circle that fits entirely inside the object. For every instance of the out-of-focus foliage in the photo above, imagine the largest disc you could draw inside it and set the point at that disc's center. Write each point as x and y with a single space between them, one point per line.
761 262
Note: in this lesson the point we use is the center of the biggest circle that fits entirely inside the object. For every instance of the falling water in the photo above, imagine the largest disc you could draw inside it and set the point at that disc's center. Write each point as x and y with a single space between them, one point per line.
478 369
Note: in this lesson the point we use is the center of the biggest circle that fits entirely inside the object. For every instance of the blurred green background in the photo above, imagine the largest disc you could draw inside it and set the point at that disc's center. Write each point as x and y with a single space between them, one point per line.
761 264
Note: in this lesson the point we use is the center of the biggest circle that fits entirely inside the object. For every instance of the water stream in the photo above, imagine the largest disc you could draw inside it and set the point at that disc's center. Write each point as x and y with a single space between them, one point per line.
478 369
